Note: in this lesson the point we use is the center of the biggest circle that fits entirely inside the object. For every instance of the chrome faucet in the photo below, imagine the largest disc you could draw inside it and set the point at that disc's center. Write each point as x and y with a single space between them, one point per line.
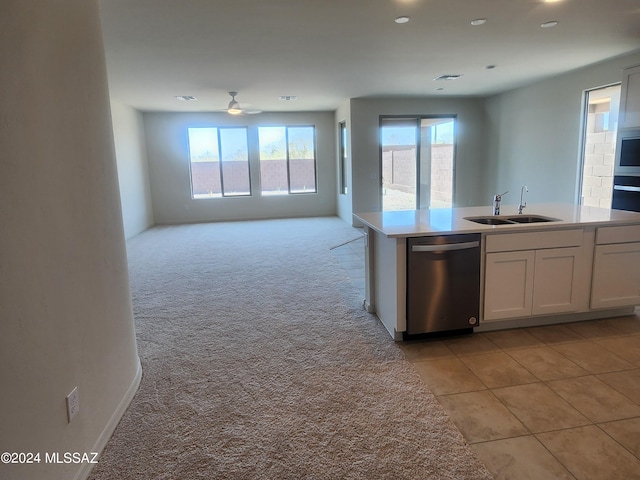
522 204
497 198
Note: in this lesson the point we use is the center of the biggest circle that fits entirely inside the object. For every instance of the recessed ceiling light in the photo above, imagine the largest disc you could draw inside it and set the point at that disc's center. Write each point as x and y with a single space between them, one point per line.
550 24
479 21
401 19
185 98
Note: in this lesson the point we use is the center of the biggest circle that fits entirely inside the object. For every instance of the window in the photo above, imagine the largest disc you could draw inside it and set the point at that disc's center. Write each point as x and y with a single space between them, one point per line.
599 145
219 162
342 160
287 160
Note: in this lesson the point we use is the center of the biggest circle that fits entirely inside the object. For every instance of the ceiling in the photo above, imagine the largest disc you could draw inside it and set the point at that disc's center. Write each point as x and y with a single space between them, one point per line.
326 51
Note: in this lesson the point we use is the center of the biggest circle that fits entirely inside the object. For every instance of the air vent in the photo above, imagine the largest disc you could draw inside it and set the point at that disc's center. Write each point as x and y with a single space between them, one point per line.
447 76
185 98
288 98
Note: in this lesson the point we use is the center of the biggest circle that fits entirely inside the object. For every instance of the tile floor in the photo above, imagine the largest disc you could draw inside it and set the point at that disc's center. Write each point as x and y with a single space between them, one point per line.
554 402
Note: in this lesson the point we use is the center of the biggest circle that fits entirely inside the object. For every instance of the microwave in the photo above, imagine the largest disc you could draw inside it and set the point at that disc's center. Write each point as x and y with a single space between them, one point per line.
628 153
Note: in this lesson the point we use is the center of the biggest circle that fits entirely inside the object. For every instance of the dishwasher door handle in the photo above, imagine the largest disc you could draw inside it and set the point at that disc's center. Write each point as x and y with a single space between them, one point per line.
444 248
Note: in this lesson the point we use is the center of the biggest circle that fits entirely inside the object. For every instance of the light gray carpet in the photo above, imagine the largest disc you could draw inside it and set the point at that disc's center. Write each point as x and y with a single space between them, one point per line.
260 363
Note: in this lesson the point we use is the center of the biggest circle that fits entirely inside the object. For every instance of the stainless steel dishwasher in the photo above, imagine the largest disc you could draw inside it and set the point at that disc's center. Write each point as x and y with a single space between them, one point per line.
443 283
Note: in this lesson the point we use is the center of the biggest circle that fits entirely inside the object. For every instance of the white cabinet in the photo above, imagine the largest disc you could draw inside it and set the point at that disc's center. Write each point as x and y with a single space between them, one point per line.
616 268
555 285
508 288
531 278
531 282
630 98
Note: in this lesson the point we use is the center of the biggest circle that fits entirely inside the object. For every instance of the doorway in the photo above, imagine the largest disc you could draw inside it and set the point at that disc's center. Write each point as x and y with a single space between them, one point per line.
600 114
417 162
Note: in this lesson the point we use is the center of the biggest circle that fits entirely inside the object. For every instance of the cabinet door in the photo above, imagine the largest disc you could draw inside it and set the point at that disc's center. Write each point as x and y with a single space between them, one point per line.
508 284
616 276
556 285
630 98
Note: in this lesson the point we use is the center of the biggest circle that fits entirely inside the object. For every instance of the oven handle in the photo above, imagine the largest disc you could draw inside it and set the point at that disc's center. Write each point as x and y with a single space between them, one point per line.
445 247
626 188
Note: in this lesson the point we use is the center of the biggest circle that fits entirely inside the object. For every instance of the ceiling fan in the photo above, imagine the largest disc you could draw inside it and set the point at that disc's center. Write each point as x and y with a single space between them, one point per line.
234 107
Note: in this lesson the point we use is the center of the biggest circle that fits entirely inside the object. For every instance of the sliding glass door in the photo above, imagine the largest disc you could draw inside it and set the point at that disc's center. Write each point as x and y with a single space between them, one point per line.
417 162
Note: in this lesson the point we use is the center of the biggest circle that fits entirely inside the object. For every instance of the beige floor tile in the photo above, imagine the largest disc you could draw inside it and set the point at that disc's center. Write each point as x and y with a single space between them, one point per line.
554 334
589 453
522 458
539 408
481 417
627 383
547 364
626 432
447 375
471 345
593 357
628 325
508 339
627 348
595 329
595 399
498 370
416 350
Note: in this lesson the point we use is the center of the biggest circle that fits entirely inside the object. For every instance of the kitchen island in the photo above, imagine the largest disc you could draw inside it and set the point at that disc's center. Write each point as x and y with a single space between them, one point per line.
580 263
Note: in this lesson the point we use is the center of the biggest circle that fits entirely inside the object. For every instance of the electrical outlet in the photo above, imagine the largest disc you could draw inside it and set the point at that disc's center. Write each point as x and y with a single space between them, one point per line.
73 404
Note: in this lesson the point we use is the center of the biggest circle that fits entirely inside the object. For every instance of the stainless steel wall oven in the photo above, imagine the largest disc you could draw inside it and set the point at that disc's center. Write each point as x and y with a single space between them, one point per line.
628 152
626 193
626 182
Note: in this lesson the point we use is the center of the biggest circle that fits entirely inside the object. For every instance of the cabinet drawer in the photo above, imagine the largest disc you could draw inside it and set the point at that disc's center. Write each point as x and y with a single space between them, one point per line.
509 242
625 234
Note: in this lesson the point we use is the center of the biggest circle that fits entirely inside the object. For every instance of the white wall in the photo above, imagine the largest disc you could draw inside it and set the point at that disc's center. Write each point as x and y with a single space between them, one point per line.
168 155
133 169
65 307
470 157
534 133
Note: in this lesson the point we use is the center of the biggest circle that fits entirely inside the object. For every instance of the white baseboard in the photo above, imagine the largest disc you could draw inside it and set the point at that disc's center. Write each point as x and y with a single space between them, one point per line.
111 425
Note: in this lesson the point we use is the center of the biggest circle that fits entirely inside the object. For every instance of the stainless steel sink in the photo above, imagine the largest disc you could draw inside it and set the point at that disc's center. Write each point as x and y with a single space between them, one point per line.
490 220
511 220
531 219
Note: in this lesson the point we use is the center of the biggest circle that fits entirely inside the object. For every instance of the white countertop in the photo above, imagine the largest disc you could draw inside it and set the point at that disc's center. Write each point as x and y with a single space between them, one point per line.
442 221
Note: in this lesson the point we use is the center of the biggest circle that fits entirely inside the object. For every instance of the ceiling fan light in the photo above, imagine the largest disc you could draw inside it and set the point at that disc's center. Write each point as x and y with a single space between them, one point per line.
234 107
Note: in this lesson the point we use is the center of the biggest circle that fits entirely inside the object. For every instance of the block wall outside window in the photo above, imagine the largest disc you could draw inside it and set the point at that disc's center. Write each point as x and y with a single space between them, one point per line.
219 161
287 159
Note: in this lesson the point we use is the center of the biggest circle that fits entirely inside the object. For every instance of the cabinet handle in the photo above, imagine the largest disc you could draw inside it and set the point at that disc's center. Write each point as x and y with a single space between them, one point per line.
444 248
